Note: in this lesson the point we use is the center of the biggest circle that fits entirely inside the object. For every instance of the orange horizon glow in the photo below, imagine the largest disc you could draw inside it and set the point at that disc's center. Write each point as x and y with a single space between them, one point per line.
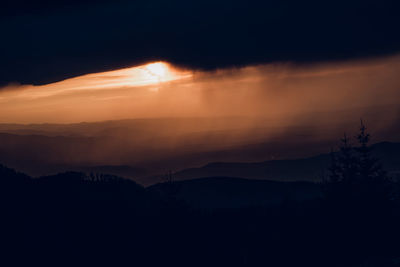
158 89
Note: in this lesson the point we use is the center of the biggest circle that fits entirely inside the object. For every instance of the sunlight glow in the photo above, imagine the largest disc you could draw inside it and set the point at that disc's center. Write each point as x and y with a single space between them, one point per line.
157 69
156 73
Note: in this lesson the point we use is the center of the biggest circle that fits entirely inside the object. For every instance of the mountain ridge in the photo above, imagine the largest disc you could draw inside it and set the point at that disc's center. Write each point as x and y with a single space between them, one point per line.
307 169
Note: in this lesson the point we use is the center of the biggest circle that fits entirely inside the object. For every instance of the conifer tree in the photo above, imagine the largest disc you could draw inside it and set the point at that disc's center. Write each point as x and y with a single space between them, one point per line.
356 177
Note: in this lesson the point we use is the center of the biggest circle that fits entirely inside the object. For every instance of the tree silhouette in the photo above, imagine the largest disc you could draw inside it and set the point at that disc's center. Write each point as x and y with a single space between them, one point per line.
358 194
355 175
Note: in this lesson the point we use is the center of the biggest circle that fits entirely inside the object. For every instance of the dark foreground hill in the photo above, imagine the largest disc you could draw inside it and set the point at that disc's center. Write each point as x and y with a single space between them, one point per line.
226 192
73 219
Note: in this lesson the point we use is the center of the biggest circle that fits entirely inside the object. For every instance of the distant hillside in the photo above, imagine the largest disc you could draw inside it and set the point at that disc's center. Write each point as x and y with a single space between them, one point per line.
144 149
227 192
308 169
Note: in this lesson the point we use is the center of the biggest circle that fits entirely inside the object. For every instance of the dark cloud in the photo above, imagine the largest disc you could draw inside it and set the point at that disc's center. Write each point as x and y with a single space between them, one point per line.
19 7
53 40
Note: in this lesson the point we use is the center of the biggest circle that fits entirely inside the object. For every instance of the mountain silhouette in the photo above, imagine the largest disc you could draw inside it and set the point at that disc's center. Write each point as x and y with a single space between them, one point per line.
307 169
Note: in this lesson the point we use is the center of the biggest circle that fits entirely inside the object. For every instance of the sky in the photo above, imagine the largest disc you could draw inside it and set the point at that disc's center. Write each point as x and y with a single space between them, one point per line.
93 60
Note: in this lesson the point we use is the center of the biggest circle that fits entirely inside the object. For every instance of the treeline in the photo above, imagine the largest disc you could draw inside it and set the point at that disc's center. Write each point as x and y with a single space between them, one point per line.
74 219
